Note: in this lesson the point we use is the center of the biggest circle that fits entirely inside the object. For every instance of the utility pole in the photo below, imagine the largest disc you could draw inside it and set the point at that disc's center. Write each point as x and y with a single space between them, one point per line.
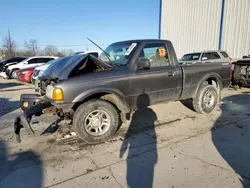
10 43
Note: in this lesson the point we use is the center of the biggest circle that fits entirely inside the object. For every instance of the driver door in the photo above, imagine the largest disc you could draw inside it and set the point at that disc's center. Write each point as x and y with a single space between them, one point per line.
160 81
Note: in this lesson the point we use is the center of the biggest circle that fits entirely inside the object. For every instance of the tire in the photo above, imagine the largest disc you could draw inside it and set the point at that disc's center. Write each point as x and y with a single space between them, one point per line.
13 74
88 112
206 93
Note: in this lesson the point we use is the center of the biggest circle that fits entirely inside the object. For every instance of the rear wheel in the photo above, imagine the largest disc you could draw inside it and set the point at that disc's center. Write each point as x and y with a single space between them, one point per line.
96 121
13 74
206 99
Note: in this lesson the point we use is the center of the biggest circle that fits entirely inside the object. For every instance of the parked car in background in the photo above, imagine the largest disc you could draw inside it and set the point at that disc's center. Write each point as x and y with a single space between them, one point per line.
12 70
99 93
11 60
240 72
94 53
6 63
24 75
40 69
246 56
206 57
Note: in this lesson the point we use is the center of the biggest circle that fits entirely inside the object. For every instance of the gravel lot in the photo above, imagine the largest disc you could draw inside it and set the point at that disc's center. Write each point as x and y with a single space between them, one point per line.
166 145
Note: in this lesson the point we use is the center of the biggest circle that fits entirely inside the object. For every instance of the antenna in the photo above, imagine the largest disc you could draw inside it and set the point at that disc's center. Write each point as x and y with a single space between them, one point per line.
100 48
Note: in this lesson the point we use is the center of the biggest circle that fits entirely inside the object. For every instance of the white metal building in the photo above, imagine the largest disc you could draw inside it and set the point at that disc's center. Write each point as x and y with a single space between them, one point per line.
196 25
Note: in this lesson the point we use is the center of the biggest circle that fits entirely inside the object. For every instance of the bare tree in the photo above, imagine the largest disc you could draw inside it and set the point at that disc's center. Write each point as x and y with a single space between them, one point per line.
67 52
32 46
1 54
50 50
70 51
9 46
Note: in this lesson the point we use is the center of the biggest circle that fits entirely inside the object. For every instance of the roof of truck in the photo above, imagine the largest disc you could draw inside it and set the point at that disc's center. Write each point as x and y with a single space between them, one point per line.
144 40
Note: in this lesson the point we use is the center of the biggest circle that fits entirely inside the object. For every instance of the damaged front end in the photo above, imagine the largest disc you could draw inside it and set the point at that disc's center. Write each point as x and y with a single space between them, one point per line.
32 104
23 121
61 69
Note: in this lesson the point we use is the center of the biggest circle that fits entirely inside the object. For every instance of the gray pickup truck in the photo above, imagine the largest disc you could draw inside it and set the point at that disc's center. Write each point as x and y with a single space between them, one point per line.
99 93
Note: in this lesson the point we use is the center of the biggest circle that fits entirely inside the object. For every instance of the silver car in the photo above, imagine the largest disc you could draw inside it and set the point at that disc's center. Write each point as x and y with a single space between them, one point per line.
206 57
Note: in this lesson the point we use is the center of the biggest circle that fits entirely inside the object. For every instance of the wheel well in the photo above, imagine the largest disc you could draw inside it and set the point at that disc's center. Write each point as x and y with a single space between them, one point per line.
214 81
15 69
112 98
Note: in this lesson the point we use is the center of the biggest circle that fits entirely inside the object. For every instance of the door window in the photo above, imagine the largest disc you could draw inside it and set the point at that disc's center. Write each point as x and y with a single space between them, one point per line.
157 55
45 60
33 61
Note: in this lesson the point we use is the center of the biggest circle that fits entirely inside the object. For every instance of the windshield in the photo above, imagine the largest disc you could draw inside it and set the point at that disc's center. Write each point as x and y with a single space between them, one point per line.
119 53
51 61
191 57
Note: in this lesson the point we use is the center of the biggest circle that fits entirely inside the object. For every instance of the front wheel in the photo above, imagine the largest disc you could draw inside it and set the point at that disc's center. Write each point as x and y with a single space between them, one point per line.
205 99
96 121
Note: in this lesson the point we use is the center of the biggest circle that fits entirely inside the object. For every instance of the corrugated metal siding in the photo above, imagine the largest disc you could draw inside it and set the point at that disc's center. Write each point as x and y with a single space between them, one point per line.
192 25
236 28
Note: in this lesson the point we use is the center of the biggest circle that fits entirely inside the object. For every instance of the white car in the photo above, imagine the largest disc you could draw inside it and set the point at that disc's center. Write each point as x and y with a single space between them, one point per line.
95 53
27 63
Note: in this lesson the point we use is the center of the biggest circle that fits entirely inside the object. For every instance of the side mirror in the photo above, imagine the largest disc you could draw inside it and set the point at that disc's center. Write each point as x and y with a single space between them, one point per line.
204 58
143 64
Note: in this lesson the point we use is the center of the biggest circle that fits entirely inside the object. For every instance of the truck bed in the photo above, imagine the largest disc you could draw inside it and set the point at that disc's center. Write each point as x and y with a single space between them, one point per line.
194 74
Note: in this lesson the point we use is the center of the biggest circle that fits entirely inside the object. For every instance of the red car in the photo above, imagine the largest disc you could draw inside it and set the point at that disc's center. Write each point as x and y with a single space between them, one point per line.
24 75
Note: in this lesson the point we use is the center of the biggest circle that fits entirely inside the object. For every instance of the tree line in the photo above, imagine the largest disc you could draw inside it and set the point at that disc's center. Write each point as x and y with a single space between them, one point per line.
31 48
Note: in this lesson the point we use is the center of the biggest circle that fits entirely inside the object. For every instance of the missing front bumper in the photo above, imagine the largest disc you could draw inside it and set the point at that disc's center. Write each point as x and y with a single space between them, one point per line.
23 121
29 100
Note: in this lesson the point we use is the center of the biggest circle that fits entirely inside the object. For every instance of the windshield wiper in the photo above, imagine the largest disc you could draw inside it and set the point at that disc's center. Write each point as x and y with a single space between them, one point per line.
107 55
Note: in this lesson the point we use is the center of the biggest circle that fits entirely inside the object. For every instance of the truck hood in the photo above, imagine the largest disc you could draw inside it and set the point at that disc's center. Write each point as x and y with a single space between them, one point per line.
75 65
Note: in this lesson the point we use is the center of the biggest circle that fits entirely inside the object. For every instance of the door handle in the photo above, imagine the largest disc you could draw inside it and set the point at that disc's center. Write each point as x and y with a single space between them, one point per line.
171 73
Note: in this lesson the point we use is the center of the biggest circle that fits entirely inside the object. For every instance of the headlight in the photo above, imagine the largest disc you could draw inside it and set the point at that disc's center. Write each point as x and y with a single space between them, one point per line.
57 94
40 73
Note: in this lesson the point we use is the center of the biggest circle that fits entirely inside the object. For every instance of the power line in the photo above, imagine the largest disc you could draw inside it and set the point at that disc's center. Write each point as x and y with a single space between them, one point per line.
69 45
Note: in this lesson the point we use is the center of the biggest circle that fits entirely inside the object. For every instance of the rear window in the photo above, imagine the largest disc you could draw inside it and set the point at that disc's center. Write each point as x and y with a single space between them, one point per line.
210 56
224 54
14 60
215 55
